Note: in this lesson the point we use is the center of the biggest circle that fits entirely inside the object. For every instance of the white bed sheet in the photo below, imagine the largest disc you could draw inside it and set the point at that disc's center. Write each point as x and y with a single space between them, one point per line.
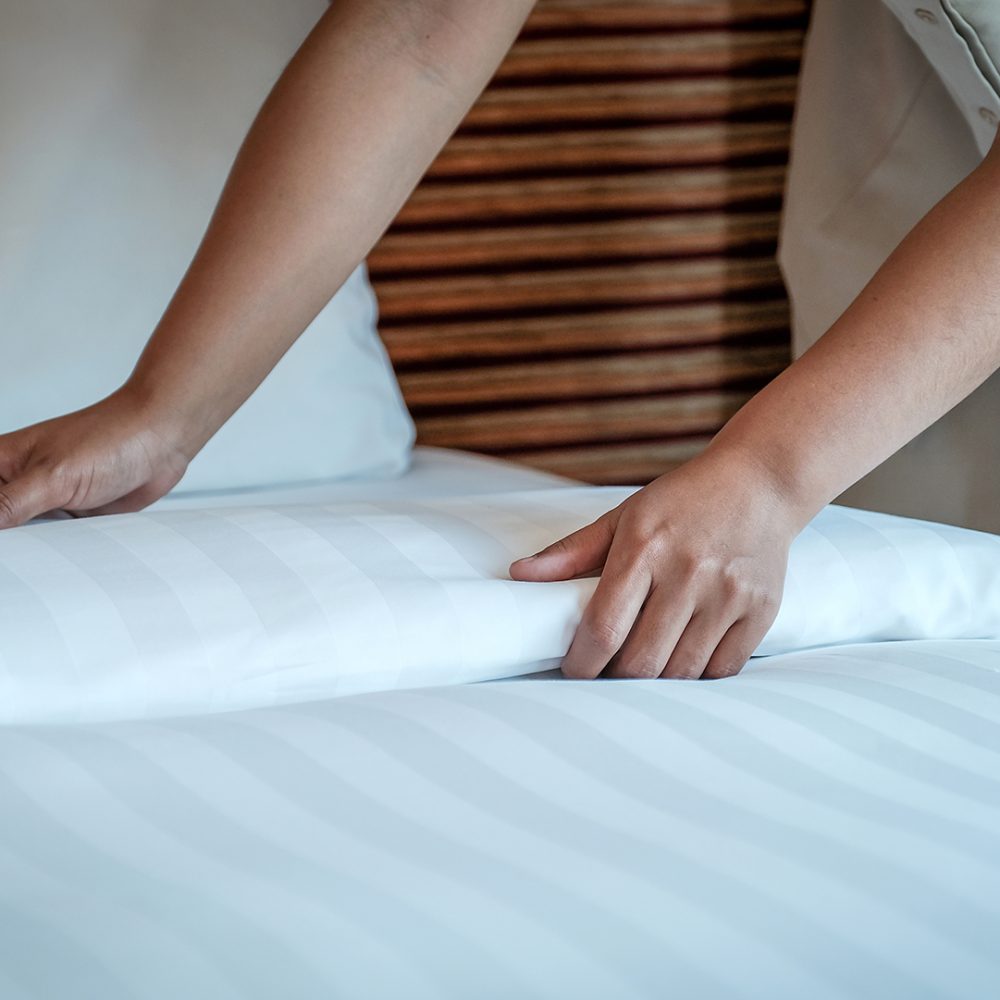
825 825
181 612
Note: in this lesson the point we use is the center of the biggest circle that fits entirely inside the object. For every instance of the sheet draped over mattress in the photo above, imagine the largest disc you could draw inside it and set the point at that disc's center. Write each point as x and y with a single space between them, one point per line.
193 611
823 826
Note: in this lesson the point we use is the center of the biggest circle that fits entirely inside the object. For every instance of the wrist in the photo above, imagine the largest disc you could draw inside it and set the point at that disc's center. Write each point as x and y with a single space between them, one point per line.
158 418
770 473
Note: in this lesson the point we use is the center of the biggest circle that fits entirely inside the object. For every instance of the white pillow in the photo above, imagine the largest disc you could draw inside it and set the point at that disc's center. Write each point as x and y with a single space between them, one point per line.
119 120
193 611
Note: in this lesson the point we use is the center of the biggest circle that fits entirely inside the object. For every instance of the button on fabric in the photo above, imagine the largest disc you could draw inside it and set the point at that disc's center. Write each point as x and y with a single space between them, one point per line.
990 116
926 15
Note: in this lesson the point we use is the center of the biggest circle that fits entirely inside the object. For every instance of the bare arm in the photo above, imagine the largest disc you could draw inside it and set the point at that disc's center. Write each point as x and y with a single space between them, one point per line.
694 564
920 337
347 132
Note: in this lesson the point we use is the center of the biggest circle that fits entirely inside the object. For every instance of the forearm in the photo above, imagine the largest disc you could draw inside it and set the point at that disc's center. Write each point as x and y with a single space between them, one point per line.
922 335
347 132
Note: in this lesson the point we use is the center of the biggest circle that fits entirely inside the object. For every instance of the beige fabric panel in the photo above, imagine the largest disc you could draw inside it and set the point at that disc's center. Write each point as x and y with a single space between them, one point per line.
586 280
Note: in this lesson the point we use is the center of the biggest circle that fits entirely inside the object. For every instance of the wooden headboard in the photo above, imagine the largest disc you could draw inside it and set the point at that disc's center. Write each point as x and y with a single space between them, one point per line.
586 281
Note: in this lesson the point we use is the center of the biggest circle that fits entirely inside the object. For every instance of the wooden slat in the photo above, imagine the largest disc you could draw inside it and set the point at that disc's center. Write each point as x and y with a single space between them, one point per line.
639 462
649 54
575 288
604 15
595 377
574 422
687 234
661 100
606 148
649 191
625 329
574 243
586 280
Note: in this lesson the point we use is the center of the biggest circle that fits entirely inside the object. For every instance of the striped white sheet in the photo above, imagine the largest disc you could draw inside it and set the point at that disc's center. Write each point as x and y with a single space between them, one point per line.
825 825
189 611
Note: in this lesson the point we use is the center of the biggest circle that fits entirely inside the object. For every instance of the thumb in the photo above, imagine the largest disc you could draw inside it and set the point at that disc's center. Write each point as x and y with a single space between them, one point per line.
26 497
583 551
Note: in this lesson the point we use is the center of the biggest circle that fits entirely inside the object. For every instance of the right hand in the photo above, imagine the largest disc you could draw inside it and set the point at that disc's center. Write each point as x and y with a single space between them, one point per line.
109 458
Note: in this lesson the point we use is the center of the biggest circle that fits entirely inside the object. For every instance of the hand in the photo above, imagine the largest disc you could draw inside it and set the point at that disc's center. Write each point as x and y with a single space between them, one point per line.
105 459
693 568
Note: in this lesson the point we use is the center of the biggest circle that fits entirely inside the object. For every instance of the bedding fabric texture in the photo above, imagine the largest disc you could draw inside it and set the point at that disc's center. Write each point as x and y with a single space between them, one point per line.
824 825
118 124
186 611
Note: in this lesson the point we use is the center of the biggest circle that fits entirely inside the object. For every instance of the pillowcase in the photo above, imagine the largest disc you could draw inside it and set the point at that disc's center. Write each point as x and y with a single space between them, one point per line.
194 611
119 121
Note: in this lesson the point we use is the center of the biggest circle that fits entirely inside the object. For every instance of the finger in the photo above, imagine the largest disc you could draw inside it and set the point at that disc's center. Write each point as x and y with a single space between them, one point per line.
697 643
27 497
583 551
607 619
135 501
660 624
8 459
735 648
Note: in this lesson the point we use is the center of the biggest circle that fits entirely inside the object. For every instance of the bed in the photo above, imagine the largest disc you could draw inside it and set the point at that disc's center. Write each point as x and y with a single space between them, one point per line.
824 824
308 741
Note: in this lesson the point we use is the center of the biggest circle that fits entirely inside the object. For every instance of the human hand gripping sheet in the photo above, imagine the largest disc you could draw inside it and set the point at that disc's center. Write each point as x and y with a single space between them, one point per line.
195 611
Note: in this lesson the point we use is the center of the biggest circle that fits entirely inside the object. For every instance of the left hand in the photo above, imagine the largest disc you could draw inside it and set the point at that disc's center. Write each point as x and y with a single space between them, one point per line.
692 570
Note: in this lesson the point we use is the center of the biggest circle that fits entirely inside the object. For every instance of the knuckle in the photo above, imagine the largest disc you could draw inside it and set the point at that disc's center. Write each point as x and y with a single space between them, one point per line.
606 634
635 521
8 509
768 604
59 472
733 582
651 539
639 668
689 665
635 557
707 571
655 546
689 566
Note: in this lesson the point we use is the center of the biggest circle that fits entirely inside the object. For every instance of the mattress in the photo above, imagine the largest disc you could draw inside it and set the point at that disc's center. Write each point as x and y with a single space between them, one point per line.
825 824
